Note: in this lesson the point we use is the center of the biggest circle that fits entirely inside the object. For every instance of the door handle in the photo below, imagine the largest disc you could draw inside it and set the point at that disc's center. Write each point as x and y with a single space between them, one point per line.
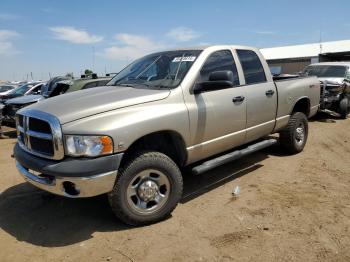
238 99
269 92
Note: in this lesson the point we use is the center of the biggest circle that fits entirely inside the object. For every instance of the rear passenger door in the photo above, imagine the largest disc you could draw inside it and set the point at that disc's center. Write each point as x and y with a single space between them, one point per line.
261 96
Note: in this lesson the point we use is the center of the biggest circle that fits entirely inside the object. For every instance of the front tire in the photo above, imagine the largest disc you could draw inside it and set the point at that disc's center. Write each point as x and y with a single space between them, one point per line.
147 189
293 138
344 108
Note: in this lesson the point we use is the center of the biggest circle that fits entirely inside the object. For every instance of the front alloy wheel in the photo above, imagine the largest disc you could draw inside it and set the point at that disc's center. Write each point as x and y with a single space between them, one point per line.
147 189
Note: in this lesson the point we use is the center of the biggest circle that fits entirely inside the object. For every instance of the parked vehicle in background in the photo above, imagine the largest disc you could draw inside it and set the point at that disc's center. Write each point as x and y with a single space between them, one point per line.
335 93
83 83
55 87
163 112
23 90
1 132
6 88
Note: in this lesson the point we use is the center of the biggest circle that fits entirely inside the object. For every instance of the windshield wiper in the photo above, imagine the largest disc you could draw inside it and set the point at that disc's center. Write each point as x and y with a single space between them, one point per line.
135 85
162 87
127 85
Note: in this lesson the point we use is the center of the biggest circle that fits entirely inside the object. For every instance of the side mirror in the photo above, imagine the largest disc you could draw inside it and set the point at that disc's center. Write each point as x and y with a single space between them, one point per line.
217 80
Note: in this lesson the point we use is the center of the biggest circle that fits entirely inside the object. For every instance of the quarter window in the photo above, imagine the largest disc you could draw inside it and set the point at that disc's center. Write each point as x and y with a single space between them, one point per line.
219 61
252 67
90 85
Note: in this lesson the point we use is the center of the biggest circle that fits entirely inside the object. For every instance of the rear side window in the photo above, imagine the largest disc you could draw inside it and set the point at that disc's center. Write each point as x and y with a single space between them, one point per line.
90 85
102 83
219 61
252 67
36 90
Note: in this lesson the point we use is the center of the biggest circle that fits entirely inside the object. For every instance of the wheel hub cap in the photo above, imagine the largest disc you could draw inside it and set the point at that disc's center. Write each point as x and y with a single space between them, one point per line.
300 133
148 190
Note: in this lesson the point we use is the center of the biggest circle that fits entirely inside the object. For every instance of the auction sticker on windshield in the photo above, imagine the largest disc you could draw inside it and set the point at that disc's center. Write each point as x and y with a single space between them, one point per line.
184 59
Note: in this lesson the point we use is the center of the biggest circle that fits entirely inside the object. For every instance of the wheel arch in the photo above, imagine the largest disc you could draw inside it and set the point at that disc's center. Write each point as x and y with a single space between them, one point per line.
168 142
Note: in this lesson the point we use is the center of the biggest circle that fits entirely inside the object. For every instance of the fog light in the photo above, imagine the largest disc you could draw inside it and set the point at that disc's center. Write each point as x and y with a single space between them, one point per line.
70 188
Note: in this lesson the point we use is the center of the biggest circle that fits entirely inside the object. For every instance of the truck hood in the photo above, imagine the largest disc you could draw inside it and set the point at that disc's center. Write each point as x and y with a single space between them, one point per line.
332 80
25 99
84 103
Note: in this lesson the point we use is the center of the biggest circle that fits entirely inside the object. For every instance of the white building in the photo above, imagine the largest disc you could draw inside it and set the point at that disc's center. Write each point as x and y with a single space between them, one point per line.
291 59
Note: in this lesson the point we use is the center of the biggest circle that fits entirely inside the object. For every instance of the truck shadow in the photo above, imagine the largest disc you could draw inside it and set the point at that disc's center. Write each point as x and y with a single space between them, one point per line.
197 185
42 219
10 134
325 117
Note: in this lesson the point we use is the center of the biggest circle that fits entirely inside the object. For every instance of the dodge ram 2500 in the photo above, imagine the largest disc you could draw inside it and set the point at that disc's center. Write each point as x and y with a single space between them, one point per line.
163 112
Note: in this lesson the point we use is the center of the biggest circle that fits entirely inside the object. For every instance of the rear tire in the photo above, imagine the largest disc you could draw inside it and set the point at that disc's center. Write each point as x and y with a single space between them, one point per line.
293 138
148 188
344 108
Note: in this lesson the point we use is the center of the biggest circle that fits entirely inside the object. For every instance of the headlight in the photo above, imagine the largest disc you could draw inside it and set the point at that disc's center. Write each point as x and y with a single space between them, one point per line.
88 145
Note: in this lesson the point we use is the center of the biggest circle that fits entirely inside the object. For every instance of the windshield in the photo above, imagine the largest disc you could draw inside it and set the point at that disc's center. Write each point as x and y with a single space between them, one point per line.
22 89
325 71
159 70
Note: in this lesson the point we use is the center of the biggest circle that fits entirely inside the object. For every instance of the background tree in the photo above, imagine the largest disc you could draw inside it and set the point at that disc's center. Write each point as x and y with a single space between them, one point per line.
88 72
69 75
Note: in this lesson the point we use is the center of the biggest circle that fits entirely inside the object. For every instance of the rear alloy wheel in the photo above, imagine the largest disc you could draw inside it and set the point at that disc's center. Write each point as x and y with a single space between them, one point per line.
293 138
147 189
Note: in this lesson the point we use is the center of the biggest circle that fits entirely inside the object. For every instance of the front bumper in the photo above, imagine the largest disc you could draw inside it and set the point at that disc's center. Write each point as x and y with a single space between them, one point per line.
69 177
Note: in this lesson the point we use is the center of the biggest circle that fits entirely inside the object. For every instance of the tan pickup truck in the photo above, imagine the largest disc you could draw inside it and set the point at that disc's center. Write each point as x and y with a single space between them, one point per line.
163 112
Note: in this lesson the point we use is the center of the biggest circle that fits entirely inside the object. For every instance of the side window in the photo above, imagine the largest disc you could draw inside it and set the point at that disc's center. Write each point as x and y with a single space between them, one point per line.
252 67
36 90
219 61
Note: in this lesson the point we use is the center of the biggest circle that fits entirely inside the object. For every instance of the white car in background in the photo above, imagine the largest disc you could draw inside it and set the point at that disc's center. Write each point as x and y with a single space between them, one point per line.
6 88
32 88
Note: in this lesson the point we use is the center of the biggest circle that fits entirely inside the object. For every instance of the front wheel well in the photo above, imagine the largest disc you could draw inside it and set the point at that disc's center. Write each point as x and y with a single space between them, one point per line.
169 143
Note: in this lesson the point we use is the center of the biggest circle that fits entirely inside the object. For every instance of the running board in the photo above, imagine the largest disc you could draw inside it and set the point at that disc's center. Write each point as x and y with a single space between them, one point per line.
223 159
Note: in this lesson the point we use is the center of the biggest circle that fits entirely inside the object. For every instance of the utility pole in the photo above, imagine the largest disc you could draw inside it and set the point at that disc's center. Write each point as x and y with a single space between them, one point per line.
320 41
93 59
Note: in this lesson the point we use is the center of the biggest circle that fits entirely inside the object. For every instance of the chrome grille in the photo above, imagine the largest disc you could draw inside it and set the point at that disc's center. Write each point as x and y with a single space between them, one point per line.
40 134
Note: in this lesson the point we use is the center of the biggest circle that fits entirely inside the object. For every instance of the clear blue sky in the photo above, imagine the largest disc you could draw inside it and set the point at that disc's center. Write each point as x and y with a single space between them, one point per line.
59 36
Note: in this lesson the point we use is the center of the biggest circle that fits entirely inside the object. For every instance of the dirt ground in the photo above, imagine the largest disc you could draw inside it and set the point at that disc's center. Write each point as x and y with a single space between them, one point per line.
291 208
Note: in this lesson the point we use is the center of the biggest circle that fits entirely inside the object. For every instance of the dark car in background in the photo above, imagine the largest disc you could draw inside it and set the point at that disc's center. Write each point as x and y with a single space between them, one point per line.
56 86
6 88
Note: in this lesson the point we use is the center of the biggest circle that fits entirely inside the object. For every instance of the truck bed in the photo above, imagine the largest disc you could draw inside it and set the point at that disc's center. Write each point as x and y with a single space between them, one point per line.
291 89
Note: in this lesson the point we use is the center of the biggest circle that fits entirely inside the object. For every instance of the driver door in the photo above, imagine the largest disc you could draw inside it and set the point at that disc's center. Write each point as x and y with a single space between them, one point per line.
217 118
